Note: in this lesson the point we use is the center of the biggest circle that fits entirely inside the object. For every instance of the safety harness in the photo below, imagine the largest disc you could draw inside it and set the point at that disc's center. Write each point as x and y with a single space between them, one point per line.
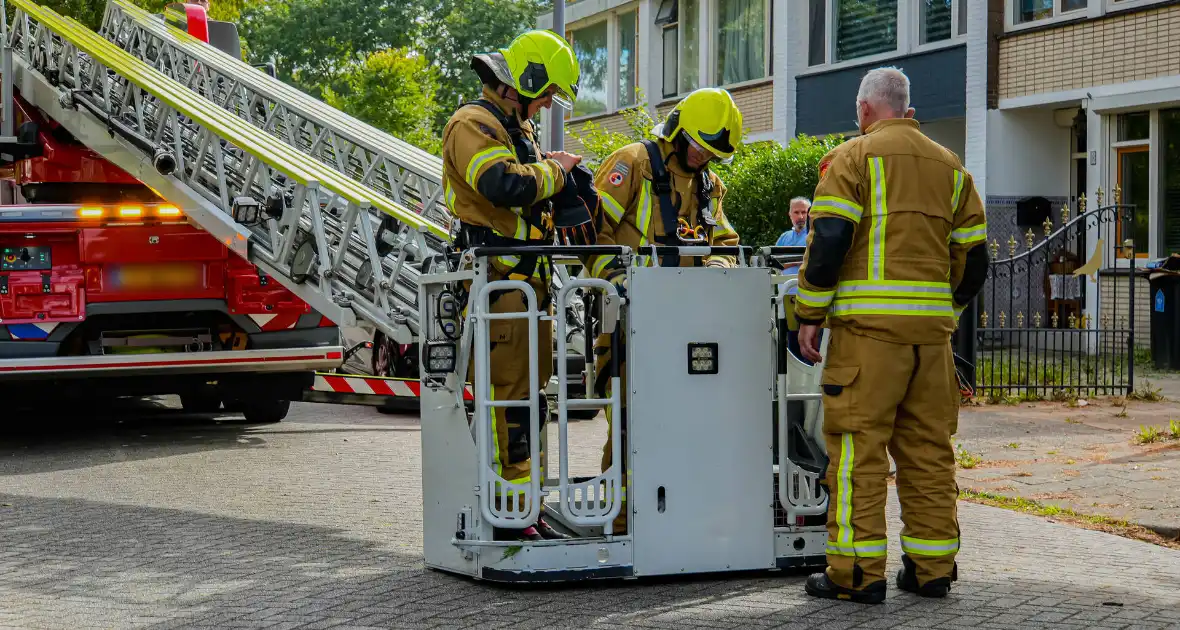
476 235
676 230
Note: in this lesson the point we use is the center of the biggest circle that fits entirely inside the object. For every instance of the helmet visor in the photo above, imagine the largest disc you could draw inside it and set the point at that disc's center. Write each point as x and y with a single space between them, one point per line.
562 97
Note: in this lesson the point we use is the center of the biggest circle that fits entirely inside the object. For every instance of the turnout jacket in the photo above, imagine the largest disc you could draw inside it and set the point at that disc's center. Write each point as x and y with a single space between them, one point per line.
487 183
630 211
898 239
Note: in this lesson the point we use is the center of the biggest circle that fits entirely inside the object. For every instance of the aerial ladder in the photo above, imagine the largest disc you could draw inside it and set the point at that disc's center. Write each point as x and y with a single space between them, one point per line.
403 173
703 490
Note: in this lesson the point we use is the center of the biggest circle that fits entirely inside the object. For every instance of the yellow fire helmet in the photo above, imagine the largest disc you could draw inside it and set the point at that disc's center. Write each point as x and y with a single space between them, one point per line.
538 59
711 120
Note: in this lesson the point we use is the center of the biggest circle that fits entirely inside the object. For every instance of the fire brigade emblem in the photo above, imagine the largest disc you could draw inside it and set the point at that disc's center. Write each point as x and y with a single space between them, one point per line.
615 178
618 173
823 168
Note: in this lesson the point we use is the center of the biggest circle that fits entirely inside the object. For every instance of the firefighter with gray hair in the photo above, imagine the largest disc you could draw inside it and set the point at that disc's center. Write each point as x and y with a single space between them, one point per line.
896 251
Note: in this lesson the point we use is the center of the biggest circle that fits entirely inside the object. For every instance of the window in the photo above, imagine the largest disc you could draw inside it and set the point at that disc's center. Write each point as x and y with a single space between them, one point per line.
628 69
864 28
741 40
590 47
608 57
1136 126
1026 11
934 20
1169 178
690 37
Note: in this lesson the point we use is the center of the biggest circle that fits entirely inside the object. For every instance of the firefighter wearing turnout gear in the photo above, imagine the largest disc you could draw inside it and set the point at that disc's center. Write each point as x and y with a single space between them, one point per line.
504 193
897 249
661 192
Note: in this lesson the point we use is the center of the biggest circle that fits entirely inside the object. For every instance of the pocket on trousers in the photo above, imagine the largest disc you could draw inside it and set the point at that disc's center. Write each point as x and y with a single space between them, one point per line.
839 399
505 358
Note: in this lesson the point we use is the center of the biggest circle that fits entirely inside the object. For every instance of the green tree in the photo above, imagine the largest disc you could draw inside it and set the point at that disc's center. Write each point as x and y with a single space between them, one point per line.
455 30
90 12
315 43
394 90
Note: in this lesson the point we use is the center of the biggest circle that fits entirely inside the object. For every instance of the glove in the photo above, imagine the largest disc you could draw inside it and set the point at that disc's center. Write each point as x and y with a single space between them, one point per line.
571 216
714 262
619 279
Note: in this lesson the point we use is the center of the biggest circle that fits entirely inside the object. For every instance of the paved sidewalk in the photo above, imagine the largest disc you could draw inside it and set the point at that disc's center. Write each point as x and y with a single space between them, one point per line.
1080 457
315 523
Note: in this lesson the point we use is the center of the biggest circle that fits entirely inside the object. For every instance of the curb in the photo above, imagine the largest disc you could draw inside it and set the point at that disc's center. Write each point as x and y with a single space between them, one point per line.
1170 532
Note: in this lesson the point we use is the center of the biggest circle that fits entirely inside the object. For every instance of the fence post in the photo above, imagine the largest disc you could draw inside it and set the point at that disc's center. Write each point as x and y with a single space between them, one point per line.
965 339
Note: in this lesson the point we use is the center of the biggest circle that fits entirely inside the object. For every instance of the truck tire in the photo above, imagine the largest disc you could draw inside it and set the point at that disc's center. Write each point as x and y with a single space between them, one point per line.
264 411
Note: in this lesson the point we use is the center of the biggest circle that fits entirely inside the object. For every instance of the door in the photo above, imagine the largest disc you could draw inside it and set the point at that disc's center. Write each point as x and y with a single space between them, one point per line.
1134 167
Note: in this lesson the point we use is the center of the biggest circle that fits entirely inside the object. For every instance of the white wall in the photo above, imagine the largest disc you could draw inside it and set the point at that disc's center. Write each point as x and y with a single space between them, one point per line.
951 133
1027 154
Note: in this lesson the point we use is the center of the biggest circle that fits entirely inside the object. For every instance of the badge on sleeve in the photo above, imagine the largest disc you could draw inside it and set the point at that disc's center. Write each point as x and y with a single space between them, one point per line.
618 173
823 168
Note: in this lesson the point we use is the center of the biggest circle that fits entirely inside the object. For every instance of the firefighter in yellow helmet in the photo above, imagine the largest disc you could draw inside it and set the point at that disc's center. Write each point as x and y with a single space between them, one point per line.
897 249
662 192
502 191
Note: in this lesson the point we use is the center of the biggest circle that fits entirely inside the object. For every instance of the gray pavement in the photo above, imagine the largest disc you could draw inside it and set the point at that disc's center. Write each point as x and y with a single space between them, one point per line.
138 519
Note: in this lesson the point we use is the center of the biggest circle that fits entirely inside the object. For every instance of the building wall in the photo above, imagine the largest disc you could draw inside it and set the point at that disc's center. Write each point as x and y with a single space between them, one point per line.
951 134
1115 49
1116 302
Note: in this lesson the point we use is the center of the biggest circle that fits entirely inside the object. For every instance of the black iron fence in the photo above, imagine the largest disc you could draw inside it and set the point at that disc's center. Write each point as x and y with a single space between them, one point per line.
1058 318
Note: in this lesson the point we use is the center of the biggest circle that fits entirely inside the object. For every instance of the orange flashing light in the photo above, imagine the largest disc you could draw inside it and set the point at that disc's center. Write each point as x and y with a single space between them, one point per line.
168 211
90 213
130 211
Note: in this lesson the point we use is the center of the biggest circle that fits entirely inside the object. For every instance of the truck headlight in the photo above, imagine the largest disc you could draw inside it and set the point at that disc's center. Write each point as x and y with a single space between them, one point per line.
702 358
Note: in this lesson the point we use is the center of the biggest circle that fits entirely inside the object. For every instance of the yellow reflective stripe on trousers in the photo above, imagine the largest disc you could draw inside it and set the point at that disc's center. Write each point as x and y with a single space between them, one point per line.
884 306
880 212
859 549
483 157
815 299
835 205
613 208
893 289
923 547
600 265
971 234
958 191
844 491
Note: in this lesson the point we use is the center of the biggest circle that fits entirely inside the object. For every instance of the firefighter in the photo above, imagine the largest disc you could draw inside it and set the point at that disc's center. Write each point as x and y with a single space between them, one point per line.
897 249
501 189
662 192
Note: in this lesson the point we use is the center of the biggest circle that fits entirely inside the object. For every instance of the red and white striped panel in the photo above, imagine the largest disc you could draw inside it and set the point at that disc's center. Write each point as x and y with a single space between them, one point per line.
372 385
280 321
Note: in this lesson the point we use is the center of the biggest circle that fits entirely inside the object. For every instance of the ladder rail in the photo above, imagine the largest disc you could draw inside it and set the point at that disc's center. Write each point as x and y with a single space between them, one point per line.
211 148
404 173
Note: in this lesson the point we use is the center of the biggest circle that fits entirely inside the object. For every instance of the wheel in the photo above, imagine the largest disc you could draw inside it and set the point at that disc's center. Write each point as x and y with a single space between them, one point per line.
265 411
205 400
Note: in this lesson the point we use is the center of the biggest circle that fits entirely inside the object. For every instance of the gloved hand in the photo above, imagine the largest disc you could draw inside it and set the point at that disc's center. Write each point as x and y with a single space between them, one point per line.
571 216
716 262
619 279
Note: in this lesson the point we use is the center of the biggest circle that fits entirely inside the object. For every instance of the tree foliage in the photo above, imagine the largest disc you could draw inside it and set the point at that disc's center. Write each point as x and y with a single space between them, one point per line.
90 12
393 90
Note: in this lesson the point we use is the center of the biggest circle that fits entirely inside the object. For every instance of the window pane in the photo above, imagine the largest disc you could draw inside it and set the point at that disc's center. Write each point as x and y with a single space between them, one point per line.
1133 179
671 46
1029 10
628 75
962 17
1170 179
817 42
865 27
690 59
1072 5
934 20
593 57
741 40
1135 126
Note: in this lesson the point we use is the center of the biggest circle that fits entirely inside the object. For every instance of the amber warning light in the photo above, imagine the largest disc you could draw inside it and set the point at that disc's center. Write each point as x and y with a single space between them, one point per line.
129 212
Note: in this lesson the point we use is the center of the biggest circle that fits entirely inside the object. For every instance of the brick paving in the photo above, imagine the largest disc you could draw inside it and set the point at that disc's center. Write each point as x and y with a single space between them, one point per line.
142 519
1081 457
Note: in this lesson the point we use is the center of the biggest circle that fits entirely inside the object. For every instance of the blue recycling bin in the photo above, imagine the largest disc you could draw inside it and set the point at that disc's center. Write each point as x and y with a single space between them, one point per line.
1165 321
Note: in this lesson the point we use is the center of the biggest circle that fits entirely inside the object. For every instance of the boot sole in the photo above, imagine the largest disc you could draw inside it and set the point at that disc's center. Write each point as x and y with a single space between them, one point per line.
859 598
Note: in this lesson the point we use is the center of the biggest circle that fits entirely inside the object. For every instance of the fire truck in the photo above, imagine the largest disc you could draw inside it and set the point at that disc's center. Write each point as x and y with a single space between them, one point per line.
335 226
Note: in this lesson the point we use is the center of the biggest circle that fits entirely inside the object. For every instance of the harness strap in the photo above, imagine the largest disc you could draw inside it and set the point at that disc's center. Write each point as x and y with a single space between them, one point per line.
661 185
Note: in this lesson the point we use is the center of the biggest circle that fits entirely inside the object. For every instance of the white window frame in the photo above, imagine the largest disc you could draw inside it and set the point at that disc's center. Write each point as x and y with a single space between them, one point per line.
1011 26
1116 6
909 18
613 51
707 59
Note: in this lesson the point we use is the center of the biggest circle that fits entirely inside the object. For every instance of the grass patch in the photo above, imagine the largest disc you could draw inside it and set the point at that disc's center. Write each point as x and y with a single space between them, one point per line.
1151 435
1146 393
965 458
1087 521
1052 375
1012 445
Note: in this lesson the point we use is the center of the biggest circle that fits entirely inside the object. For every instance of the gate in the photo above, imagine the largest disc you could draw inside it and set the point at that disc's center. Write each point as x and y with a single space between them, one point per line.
1057 320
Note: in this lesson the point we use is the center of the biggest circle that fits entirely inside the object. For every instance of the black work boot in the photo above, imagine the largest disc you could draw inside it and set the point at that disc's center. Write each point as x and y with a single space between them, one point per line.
820 585
548 533
907 580
504 533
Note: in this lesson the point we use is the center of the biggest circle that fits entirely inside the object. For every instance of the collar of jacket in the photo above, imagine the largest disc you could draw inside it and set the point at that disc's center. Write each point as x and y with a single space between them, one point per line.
892 122
506 107
671 162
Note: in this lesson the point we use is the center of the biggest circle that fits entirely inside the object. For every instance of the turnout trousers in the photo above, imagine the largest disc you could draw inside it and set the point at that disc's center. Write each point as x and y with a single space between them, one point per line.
509 374
900 399
602 365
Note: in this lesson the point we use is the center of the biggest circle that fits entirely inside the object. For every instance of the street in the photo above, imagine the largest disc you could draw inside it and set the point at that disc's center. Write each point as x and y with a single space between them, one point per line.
138 516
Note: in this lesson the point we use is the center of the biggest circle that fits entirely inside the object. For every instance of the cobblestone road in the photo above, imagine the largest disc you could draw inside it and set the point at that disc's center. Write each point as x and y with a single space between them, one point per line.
153 520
